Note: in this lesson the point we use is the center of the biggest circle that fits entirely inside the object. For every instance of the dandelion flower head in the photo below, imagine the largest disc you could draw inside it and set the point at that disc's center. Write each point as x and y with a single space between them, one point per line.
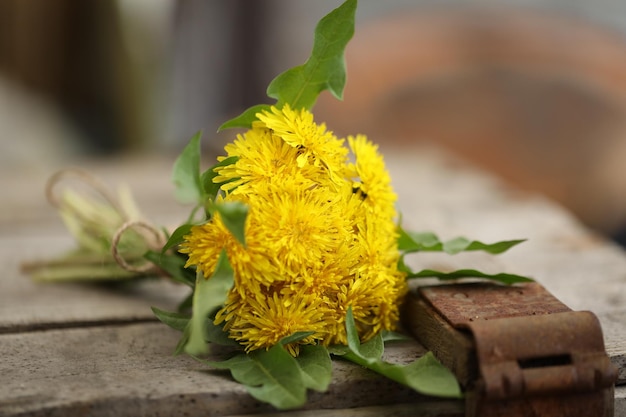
320 235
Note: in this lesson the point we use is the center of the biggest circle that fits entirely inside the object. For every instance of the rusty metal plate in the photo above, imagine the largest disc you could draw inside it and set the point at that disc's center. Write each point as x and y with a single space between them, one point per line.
461 304
534 355
561 352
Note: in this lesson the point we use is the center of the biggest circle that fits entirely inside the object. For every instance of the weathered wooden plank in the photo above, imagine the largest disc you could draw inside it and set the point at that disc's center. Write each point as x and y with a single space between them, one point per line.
620 401
26 305
422 409
129 370
614 327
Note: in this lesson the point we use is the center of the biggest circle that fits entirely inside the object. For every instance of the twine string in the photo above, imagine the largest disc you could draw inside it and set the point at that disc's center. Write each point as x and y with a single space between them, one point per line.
156 242
88 179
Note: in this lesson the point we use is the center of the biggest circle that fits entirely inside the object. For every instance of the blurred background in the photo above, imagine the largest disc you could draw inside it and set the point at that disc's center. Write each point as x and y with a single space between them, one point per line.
532 90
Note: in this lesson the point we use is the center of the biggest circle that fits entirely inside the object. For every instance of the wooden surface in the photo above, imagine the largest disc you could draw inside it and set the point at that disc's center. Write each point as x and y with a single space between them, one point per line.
71 349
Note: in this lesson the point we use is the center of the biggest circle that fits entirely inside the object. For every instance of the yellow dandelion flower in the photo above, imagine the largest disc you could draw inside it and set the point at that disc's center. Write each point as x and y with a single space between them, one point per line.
374 180
377 241
251 264
375 298
262 157
204 244
300 227
314 143
262 321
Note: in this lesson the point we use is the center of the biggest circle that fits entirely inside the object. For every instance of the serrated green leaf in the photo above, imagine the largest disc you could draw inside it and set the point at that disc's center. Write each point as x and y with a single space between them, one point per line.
186 173
176 321
211 188
470 273
461 244
426 375
316 366
174 265
272 376
233 215
325 69
209 294
428 242
176 238
246 118
416 241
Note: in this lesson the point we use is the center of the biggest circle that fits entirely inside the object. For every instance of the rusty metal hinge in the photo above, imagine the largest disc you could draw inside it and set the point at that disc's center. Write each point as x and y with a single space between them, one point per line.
517 350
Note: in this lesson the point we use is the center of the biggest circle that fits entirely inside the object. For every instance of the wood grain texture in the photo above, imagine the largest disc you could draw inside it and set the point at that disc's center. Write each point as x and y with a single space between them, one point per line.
26 305
129 370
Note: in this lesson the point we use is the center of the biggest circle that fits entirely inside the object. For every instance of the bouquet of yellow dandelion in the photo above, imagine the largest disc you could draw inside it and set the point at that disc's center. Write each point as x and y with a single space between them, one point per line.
319 235
293 251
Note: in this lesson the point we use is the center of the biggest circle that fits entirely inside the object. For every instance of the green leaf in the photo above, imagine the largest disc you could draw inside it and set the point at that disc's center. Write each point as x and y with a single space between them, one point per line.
426 375
176 321
180 347
186 173
209 294
211 188
470 273
428 242
296 337
65 270
272 376
276 377
216 334
461 244
316 366
389 336
233 215
246 118
371 350
325 69
416 241
338 350
174 265
177 236
402 266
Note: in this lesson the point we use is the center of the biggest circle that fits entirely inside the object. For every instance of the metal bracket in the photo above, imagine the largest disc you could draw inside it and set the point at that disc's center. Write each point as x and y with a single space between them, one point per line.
517 350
